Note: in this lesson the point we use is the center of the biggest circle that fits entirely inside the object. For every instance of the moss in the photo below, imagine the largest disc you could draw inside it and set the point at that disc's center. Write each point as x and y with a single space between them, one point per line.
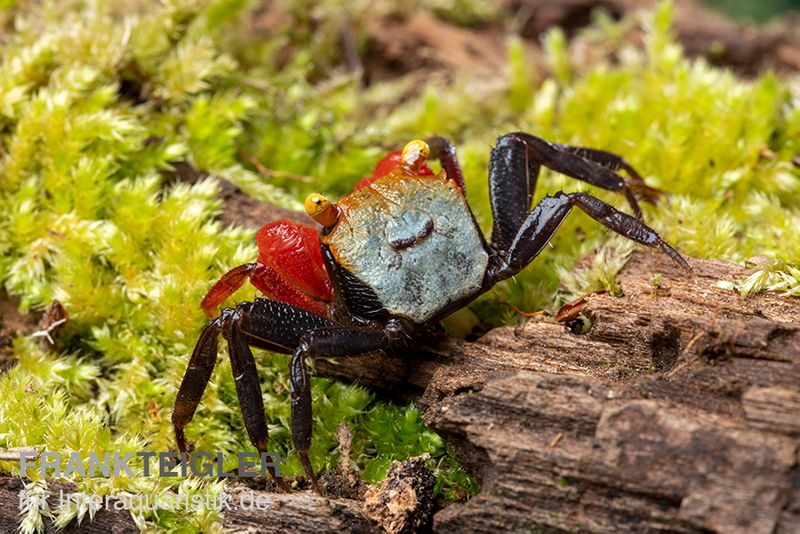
98 99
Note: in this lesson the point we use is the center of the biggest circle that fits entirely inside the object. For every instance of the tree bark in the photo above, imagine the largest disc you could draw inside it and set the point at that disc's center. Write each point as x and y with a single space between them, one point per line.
679 410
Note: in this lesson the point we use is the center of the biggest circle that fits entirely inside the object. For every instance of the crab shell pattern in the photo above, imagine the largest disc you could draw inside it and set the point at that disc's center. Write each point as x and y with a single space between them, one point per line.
412 240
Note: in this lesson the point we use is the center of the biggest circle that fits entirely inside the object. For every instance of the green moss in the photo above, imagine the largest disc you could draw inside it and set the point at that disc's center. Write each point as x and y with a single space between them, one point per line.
98 99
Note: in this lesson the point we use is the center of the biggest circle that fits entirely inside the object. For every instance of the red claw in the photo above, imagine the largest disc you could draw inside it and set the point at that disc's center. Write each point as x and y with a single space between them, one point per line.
225 287
275 287
289 269
292 250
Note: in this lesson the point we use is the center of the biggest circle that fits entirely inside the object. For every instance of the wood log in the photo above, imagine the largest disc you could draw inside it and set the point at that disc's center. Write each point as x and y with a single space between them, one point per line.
302 512
679 410
105 520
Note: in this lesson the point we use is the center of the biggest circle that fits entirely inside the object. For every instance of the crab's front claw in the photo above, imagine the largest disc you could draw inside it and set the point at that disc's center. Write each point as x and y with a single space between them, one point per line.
226 286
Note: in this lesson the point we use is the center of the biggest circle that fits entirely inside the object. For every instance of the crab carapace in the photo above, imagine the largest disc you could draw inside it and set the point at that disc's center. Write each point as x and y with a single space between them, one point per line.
391 260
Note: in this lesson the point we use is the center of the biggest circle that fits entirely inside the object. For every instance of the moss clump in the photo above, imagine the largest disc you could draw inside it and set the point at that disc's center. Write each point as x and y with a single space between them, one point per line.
98 99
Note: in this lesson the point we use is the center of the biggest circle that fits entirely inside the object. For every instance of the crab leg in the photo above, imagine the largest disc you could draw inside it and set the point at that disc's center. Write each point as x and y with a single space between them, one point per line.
248 390
608 160
512 181
615 162
580 164
265 324
278 326
324 343
514 167
226 286
545 218
443 150
197 375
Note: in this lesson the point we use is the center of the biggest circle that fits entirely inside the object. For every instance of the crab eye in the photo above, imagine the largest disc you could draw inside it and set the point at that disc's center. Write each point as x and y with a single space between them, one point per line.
414 155
321 209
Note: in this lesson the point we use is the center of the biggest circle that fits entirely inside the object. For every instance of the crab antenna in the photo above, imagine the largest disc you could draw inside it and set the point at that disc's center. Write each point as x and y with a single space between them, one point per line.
321 209
414 155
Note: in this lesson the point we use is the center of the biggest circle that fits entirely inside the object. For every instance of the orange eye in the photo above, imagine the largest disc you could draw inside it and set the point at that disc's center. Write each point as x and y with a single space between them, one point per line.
321 209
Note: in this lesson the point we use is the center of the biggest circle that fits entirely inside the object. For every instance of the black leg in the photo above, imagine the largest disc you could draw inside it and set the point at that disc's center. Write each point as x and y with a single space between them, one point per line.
615 162
194 382
443 150
545 218
514 167
512 181
265 324
324 343
272 325
248 390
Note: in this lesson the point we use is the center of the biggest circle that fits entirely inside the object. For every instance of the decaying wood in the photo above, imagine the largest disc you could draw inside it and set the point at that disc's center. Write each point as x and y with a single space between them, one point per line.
105 520
302 512
403 503
679 410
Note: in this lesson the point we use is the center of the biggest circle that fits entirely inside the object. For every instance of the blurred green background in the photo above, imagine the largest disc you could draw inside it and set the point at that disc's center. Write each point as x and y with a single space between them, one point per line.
757 10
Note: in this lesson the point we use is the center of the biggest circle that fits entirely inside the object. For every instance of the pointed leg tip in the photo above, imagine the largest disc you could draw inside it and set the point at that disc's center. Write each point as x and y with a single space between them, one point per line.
646 193
678 259
282 485
307 467
181 442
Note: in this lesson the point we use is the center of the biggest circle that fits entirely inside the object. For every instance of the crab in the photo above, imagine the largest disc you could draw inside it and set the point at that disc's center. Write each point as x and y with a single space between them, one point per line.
391 260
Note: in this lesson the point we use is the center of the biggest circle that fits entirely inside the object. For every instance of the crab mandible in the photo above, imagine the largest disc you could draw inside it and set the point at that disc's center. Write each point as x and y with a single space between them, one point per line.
393 258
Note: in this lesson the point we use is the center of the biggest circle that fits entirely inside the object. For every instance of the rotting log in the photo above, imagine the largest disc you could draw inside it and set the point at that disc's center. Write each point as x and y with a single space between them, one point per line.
678 410
301 512
106 520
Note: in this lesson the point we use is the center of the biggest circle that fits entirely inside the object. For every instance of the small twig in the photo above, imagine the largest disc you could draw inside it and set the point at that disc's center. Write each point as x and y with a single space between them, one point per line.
266 171
555 440
692 342
127 30
524 314
46 332
14 454
51 324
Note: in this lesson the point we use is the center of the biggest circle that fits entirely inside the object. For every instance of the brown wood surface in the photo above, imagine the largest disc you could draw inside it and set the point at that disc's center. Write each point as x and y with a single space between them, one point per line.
301 512
679 410
104 522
